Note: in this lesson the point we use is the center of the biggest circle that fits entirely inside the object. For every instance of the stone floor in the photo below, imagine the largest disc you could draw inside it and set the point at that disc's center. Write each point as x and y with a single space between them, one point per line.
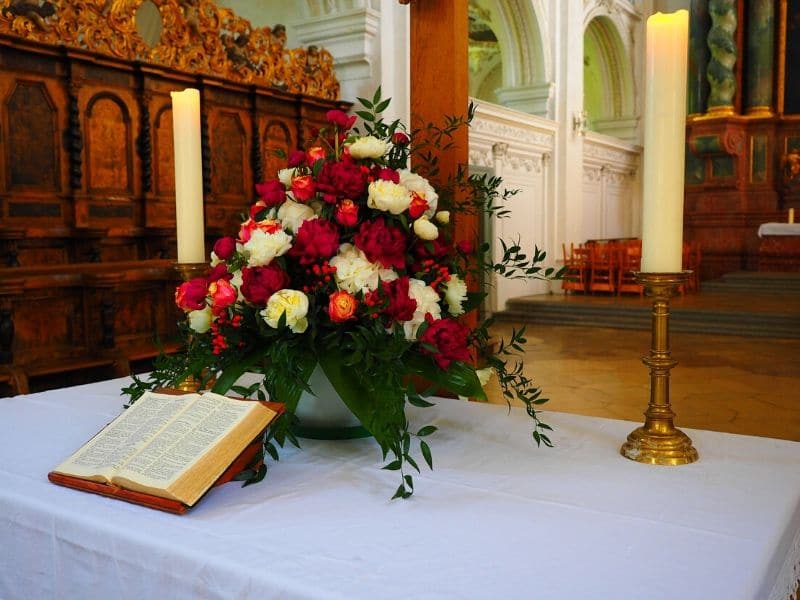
725 383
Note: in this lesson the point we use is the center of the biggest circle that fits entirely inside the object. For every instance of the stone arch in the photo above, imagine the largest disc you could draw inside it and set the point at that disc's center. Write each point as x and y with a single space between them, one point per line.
608 86
521 54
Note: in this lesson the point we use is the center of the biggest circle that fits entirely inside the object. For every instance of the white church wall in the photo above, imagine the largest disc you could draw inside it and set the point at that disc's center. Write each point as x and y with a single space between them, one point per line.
517 147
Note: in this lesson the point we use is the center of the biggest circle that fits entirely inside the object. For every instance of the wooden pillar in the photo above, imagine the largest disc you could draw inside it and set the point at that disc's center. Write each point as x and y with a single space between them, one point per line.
439 84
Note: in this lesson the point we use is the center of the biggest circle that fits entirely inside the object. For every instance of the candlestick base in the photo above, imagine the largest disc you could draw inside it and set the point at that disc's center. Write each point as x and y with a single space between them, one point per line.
189 271
658 442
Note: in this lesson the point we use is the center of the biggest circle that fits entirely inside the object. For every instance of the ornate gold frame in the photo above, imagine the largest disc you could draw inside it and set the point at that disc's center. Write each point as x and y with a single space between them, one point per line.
197 37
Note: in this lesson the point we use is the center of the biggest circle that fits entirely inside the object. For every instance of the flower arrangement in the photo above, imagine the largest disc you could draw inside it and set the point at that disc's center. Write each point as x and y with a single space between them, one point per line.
347 261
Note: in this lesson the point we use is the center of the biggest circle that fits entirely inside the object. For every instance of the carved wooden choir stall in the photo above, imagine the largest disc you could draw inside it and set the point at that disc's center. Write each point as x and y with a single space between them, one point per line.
87 209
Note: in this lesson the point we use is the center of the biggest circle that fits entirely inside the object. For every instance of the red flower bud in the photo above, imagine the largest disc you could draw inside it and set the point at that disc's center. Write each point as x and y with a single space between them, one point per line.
314 154
297 158
400 139
271 192
225 247
191 295
418 206
466 246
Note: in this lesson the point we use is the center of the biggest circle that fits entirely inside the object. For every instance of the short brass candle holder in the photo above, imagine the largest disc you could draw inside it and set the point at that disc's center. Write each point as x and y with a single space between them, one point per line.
187 272
658 442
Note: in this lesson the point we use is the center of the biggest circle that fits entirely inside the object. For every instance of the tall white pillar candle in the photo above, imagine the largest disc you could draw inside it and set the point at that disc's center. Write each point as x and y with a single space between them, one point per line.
664 141
188 176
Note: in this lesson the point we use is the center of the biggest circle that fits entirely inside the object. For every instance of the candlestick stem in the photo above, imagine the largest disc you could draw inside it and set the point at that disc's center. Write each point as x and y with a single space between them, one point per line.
188 271
658 442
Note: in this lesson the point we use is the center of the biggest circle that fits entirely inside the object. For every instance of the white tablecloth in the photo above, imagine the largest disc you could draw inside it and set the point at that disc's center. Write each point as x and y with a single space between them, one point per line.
497 518
778 229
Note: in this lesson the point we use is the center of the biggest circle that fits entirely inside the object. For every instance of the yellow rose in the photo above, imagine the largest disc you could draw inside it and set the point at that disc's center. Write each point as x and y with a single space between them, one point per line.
292 303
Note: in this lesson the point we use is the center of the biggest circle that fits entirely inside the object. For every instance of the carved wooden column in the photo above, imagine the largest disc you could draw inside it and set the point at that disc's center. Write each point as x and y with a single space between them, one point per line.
697 90
722 44
760 57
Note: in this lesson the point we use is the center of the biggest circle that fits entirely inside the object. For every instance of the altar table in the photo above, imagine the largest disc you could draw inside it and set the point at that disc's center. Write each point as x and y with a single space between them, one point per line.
497 517
779 247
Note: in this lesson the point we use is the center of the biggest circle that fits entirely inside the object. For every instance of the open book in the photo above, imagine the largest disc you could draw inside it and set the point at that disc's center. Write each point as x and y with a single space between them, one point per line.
170 446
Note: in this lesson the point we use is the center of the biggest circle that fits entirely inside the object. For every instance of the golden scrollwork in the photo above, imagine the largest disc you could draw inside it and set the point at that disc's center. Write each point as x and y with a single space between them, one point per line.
197 36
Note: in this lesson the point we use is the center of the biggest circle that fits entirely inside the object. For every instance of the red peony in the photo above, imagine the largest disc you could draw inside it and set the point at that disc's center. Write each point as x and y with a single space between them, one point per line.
466 246
297 158
259 283
340 119
346 213
385 173
344 179
342 306
219 272
382 243
316 239
399 305
434 249
224 247
271 192
449 337
191 295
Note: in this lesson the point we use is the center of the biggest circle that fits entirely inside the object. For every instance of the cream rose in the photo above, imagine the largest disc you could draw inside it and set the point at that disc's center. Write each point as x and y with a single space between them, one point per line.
388 196
424 229
443 217
420 186
292 214
262 247
200 320
455 292
367 147
427 303
293 304
285 176
354 273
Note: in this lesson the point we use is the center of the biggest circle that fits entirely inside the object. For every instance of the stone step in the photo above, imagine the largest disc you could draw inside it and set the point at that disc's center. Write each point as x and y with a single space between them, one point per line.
755 282
559 312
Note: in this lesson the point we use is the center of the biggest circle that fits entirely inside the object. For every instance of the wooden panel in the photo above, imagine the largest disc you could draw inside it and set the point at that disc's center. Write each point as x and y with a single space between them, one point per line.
31 152
163 157
54 315
277 140
228 155
108 149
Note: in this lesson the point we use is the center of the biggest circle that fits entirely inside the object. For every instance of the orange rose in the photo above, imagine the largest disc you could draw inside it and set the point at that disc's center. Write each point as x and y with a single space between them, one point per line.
304 188
342 306
314 154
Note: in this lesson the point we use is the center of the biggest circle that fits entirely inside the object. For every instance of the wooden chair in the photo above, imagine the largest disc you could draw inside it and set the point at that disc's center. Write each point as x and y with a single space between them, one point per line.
576 275
602 277
630 260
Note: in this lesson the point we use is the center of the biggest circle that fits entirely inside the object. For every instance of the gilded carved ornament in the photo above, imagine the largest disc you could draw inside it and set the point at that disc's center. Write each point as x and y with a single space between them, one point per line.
197 36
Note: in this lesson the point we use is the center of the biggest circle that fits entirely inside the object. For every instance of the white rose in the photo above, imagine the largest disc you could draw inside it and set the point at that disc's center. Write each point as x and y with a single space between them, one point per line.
200 320
285 176
455 292
262 247
236 282
443 217
424 229
420 186
484 375
368 147
388 196
292 303
354 273
293 214
427 303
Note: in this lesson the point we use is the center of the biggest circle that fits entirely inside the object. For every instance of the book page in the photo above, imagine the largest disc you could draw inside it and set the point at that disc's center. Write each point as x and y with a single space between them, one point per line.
115 444
183 441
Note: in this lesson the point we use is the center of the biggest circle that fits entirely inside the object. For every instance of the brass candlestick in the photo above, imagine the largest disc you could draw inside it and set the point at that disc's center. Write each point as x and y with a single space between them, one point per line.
187 272
658 442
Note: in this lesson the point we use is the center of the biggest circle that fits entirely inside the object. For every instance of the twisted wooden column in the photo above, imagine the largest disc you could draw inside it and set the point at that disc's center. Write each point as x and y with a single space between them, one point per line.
722 44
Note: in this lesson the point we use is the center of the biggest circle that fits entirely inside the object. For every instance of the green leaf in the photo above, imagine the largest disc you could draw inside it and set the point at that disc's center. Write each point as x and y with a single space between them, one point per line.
401 492
427 430
426 453
417 401
392 466
229 376
459 378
